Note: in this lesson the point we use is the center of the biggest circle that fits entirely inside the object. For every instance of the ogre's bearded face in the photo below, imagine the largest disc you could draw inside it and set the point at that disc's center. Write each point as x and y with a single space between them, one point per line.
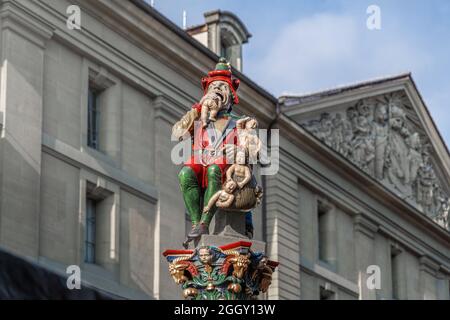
221 90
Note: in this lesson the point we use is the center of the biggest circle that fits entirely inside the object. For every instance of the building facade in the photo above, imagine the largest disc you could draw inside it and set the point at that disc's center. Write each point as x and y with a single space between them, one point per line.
86 176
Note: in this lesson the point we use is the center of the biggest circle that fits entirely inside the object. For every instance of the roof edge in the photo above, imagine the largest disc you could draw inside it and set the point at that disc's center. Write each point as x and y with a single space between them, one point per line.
347 87
316 96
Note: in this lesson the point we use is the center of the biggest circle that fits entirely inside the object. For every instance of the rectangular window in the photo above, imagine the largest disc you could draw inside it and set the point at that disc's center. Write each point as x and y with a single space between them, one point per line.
101 226
90 234
326 233
395 269
321 213
93 117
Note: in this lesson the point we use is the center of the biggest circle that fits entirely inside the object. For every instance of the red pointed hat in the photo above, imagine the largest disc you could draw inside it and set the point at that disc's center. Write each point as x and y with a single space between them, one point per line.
222 73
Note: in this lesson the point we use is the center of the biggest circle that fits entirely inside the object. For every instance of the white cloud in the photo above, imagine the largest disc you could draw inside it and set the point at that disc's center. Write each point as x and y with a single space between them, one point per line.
326 50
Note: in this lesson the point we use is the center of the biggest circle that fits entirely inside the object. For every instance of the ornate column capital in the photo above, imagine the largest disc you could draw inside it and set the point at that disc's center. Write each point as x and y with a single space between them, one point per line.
228 272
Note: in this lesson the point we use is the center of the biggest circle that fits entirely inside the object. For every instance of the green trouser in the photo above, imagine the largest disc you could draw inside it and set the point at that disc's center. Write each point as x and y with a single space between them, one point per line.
192 193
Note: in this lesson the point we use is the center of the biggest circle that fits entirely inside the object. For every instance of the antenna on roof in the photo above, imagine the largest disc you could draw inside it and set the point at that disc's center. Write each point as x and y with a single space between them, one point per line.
184 19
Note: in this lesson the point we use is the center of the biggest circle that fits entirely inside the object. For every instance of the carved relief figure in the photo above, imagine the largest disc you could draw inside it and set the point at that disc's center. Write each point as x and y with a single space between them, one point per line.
363 147
426 179
364 108
338 133
442 206
381 130
397 154
325 129
346 147
443 211
352 116
414 156
375 135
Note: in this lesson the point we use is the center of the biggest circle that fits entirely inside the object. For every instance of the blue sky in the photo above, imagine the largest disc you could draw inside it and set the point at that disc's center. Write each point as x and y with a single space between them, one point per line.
299 46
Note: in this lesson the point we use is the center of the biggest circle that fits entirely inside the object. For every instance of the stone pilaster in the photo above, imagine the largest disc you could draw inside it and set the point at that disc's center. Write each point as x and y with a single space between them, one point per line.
169 228
23 42
365 231
282 229
428 278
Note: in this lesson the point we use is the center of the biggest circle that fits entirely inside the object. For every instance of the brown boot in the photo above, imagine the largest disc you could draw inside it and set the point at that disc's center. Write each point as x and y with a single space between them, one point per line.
195 231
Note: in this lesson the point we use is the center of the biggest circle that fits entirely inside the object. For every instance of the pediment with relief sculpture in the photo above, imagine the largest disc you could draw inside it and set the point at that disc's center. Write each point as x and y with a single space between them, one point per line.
384 135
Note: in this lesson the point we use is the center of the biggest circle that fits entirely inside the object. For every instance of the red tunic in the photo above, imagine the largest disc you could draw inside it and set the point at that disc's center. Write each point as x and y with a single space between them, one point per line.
206 153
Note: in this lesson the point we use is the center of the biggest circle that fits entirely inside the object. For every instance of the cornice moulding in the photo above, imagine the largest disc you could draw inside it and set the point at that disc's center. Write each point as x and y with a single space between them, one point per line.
19 19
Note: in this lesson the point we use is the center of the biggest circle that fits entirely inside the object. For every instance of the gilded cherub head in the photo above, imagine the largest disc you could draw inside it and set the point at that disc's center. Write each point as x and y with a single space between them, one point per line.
205 256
